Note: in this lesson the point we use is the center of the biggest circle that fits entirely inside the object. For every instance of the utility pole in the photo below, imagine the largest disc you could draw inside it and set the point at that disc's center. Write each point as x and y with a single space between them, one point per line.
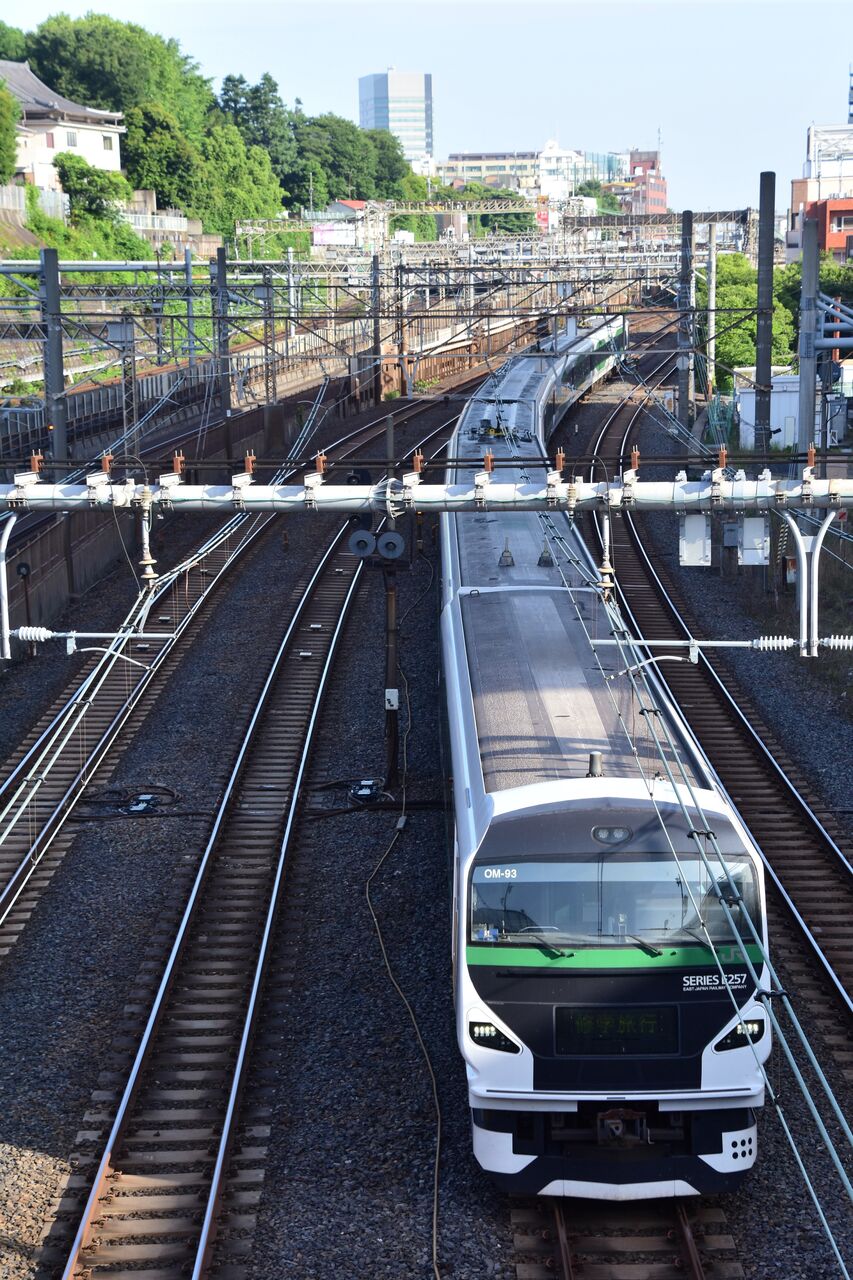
392 690
188 276
825 366
55 405
685 321
808 332
130 407
222 344
267 304
402 346
291 294
764 326
712 308
375 302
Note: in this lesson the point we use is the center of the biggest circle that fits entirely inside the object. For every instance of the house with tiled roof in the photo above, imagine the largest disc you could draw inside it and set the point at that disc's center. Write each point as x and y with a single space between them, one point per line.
50 124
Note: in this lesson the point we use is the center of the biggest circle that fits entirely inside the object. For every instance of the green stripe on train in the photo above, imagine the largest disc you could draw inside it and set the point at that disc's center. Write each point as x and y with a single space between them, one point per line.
506 957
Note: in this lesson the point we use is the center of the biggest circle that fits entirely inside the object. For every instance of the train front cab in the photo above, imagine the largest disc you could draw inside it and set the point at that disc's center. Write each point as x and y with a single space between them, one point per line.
607 1056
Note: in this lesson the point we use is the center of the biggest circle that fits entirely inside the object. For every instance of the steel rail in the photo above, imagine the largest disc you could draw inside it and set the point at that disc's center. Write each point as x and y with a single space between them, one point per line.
123 1113
609 1233
46 753
836 982
145 602
687 1240
206 1238
158 1007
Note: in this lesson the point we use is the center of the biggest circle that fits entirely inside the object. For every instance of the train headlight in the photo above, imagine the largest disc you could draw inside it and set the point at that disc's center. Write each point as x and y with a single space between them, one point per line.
737 1037
491 1037
611 835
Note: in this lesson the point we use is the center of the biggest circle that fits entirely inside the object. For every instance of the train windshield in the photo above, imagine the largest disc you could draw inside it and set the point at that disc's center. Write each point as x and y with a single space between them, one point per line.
608 900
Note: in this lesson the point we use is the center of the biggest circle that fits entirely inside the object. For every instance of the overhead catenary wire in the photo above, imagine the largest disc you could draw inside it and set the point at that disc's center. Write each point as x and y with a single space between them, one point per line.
670 759
640 688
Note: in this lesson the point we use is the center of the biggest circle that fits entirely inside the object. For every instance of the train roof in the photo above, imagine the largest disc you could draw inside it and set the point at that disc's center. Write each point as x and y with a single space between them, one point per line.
542 699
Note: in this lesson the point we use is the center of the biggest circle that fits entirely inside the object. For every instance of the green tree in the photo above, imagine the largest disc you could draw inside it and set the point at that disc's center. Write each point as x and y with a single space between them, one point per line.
423 225
237 182
737 301
391 165
118 65
344 153
306 185
477 191
13 43
606 200
9 113
91 239
157 155
262 118
836 279
92 193
232 99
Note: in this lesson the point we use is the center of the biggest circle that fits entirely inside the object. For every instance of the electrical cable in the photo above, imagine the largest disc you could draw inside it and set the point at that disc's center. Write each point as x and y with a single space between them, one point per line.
667 758
670 757
126 553
401 824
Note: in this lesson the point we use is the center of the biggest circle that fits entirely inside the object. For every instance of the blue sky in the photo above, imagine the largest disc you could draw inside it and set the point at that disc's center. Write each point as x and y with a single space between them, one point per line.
731 86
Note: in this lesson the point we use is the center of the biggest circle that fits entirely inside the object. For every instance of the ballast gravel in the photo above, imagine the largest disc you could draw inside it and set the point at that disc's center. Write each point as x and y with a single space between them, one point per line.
65 982
348 1185
348 1188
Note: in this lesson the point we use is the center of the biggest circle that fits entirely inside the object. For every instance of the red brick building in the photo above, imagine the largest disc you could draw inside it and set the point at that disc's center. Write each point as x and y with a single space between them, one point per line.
649 186
643 189
834 218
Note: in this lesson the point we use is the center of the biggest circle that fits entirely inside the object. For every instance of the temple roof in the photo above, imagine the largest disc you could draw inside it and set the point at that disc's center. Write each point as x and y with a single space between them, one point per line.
41 103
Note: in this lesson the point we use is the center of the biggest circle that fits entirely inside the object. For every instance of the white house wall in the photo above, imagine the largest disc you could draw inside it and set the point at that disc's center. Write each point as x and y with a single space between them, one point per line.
36 155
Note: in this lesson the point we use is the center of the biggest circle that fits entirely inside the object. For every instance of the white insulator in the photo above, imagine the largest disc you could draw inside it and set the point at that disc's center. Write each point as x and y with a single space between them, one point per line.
773 644
34 635
837 642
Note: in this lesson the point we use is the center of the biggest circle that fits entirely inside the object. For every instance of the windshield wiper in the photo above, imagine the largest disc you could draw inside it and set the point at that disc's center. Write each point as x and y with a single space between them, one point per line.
697 937
649 947
545 944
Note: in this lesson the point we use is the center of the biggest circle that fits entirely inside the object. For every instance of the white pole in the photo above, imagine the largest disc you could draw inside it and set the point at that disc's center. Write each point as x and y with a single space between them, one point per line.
5 644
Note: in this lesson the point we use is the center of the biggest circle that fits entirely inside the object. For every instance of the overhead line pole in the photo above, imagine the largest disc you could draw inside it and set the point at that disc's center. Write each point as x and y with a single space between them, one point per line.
375 301
711 370
764 325
222 342
685 335
808 333
56 410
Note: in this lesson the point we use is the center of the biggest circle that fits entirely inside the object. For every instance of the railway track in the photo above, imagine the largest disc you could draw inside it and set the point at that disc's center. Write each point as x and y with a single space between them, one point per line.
598 1240
76 743
153 1168
805 854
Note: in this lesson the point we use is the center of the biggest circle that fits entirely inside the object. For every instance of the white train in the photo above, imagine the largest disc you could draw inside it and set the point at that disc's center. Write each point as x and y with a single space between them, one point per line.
605 1010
